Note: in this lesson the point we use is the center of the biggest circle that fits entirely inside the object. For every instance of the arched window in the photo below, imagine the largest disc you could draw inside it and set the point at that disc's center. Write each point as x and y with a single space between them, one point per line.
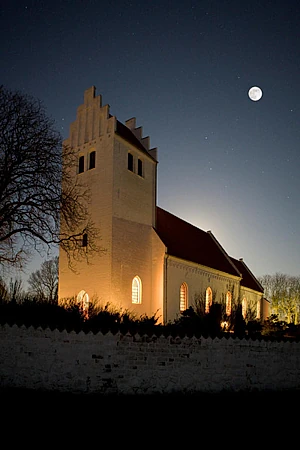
258 309
183 297
244 307
228 303
208 299
136 293
83 300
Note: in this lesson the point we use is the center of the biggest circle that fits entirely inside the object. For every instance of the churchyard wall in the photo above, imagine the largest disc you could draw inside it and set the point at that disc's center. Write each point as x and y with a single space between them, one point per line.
124 364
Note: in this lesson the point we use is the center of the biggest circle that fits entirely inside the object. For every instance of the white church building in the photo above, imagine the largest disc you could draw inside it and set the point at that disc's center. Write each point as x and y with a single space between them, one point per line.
154 261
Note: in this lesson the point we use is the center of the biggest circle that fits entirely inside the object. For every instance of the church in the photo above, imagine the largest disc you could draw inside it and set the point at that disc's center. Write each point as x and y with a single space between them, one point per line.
155 262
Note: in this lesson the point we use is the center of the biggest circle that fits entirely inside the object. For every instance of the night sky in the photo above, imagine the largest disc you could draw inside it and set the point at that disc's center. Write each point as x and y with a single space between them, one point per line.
183 69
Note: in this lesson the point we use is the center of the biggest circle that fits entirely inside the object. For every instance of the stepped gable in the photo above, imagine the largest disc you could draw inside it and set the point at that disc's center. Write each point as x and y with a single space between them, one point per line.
129 136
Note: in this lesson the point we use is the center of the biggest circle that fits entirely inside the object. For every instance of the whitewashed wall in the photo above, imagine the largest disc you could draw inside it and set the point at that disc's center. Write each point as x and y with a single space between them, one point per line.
198 278
70 362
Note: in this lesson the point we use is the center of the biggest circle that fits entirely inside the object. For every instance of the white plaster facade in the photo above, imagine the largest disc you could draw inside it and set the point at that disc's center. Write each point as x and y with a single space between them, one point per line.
197 278
123 206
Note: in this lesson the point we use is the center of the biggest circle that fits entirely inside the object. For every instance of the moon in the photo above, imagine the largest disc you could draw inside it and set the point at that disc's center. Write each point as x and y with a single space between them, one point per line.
255 93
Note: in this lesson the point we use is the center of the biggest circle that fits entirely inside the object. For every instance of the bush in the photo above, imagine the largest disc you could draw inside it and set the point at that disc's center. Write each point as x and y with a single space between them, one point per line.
73 317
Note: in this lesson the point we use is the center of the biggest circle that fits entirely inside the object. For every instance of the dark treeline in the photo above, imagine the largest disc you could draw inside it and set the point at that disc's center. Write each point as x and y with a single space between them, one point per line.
72 317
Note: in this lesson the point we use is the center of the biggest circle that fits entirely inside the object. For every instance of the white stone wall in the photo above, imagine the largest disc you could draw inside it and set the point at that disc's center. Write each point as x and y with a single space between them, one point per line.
198 278
122 206
132 256
134 196
252 298
158 267
70 362
93 129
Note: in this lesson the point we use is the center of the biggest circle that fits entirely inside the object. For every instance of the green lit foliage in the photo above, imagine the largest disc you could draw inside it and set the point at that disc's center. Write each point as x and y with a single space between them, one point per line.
283 291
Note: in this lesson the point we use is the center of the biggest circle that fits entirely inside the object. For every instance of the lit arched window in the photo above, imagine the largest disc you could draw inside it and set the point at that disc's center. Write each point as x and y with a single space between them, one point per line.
83 300
258 310
228 303
183 297
136 293
244 307
208 299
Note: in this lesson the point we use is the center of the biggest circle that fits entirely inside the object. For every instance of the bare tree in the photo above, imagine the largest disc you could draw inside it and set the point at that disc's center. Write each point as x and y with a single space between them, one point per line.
41 201
3 291
294 296
16 293
44 282
13 292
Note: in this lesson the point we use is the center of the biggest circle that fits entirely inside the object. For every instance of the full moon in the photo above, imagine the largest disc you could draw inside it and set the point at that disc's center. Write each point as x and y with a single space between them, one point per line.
255 93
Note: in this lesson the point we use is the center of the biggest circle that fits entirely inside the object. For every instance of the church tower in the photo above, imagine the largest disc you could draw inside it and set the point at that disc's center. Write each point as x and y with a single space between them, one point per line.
116 163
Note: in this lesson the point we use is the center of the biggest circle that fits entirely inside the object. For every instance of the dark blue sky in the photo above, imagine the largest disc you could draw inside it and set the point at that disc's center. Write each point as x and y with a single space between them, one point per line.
183 69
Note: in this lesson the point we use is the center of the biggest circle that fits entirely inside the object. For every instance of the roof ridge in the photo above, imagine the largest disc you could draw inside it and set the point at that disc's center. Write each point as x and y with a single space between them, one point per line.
224 252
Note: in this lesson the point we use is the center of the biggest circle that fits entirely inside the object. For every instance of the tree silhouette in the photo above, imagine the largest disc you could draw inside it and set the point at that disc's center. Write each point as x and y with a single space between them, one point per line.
41 202
44 282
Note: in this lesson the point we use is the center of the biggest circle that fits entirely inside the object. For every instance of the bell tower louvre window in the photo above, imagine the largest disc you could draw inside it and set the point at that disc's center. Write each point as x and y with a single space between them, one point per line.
140 167
130 162
81 164
92 162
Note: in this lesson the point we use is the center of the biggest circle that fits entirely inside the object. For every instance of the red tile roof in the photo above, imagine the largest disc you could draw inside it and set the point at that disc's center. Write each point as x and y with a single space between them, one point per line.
192 244
248 279
189 242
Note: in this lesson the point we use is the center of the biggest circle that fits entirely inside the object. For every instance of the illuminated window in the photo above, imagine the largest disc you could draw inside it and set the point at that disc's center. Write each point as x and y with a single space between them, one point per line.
130 162
81 164
183 297
136 293
83 300
140 167
92 160
244 307
258 311
228 303
208 299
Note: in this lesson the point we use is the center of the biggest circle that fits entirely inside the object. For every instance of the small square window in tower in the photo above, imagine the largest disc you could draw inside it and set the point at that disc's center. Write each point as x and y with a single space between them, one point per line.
130 162
140 167
81 164
92 161
85 240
